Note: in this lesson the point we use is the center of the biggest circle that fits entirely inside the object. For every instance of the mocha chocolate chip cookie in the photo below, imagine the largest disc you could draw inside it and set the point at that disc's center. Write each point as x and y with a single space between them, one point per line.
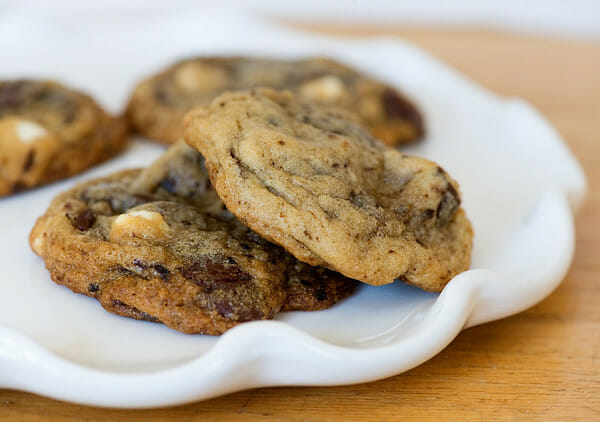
146 247
158 104
49 132
311 179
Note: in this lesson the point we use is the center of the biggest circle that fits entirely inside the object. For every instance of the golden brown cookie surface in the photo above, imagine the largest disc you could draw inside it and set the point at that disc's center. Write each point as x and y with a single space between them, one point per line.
158 104
49 132
145 248
311 179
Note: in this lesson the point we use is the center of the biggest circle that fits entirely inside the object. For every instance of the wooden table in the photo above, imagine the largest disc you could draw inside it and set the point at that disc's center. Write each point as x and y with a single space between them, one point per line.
542 364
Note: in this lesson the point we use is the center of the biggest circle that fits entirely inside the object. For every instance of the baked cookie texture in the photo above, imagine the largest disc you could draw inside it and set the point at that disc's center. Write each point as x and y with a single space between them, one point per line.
147 248
158 104
49 132
311 179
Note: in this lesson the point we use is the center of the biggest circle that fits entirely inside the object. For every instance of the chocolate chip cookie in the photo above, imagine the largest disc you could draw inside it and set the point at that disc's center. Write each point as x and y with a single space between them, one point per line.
147 248
310 178
49 132
158 104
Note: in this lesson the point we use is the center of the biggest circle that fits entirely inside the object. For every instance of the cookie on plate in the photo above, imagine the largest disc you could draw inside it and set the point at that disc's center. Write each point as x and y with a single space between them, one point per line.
311 179
181 172
158 104
146 249
49 132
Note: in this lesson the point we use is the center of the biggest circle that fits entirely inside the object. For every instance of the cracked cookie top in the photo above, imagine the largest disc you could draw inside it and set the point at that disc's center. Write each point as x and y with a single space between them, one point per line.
312 179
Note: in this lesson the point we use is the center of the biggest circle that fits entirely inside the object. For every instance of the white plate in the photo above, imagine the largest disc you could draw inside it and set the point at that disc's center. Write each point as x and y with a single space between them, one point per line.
520 184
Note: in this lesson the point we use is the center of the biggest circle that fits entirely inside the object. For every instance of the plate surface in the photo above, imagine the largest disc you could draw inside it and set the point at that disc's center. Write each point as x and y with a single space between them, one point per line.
520 186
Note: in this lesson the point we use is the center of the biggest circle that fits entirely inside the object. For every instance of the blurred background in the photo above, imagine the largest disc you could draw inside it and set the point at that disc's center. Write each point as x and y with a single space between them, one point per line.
573 19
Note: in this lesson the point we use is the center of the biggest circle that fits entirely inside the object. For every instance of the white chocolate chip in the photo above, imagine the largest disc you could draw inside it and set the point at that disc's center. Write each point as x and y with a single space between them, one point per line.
37 244
28 131
324 89
139 224
197 77
148 215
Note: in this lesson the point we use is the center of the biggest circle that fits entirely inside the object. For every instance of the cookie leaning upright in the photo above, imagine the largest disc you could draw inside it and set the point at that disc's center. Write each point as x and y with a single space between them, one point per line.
311 179
49 132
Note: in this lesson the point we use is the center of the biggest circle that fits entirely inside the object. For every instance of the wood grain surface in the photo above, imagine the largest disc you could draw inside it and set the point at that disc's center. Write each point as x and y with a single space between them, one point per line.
543 364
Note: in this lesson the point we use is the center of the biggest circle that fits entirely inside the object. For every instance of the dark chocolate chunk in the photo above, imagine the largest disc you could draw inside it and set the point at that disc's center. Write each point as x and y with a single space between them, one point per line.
216 273
132 312
321 294
159 269
29 161
448 206
162 272
251 314
18 187
84 220
397 107
224 309
169 184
